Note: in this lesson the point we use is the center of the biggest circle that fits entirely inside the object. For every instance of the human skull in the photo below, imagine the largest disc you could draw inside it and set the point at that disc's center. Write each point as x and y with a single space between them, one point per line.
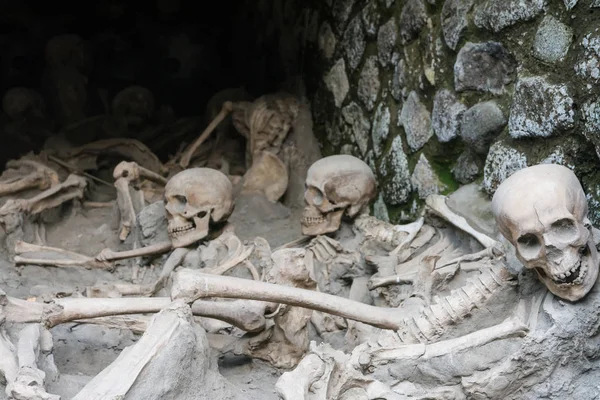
542 211
20 102
196 198
334 185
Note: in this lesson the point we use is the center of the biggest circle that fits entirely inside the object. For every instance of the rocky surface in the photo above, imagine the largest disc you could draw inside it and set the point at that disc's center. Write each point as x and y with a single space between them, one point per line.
451 79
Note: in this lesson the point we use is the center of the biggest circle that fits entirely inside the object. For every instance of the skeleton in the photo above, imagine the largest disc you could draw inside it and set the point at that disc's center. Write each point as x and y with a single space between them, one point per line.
265 123
542 211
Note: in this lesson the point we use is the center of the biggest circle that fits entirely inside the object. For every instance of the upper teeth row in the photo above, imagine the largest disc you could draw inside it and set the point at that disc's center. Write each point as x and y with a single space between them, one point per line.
313 220
181 228
569 272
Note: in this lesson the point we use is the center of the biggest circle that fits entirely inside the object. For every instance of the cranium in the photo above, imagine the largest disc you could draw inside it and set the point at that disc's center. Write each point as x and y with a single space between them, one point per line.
334 185
542 211
197 198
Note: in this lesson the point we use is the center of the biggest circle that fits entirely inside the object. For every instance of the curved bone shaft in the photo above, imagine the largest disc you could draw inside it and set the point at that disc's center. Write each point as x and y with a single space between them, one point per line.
157 248
189 152
437 203
51 256
377 282
72 188
490 252
511 327
243 314
192 285
246 315
412 230
69 258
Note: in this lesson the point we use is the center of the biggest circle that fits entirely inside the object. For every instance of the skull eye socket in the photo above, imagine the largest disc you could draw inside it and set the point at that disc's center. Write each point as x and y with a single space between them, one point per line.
314 196
529 245
178 203
202 214
565 229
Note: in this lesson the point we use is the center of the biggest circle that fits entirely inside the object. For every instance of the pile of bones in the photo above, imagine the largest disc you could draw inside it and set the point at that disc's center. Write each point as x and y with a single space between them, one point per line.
449 306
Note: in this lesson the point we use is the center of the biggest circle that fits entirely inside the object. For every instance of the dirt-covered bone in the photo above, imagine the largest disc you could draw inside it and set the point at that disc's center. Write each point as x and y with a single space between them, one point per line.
130 198
248 316
267 175
197 199
542 211
326 373
191 285
285 340
34 344
41 177
336 185
173 351
72 188
189 152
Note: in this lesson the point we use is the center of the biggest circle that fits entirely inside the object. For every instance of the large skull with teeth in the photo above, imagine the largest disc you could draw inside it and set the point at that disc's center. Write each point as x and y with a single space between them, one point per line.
336 185
542 211
197 198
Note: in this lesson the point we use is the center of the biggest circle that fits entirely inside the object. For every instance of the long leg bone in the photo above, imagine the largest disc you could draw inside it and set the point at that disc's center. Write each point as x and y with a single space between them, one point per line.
192 285
189 152
243 314
69 258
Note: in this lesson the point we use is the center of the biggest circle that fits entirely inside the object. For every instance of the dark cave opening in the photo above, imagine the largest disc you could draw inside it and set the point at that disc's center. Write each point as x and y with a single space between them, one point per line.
183 54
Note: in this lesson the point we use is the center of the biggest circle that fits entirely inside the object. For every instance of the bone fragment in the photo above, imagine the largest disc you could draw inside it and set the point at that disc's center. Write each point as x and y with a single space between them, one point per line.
189 152
98 204
9 366
192 285
377 282
29 382
77 171
42 177
268 175
295 243
437 203
412 229
132 171
126 208
44 255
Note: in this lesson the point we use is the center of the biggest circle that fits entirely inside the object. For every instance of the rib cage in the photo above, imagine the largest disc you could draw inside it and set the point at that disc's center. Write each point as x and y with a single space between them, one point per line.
433 321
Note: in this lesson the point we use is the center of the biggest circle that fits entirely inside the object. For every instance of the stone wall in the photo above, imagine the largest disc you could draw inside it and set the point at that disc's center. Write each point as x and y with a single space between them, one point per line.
435 94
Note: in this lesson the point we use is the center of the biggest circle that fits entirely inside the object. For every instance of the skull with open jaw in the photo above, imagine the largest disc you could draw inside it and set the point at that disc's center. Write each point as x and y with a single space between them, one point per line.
334 185
196 199
542 211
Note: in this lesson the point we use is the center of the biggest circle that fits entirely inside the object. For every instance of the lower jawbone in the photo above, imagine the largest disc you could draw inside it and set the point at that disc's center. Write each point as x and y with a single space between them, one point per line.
321 224
582 279
187 235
